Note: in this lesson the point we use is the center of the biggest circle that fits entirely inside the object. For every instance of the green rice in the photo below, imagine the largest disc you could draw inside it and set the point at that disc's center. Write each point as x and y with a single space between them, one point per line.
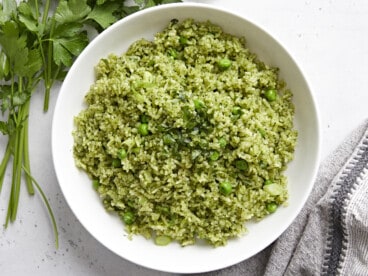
166 126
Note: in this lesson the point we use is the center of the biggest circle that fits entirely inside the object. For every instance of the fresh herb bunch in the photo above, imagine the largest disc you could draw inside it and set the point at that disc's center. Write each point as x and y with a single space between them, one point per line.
39 41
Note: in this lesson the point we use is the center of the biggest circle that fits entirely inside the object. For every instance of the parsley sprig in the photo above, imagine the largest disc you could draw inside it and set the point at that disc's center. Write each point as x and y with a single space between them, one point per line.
39 41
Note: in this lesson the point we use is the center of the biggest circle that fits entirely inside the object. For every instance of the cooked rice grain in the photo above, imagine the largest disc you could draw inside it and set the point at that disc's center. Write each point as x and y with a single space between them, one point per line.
202 120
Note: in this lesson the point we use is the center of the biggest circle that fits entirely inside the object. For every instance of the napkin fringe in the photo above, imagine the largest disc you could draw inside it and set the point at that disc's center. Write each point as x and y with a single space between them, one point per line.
347 183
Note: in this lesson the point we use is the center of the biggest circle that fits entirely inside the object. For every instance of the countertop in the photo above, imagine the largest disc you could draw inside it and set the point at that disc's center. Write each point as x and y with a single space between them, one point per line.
327 38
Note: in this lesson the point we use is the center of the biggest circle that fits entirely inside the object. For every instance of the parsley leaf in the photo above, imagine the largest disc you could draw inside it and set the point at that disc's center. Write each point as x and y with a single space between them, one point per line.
68 29
14 46
66 48
149 3
104 14
169 1
9 8
34 63
19 98
71 11
125 11
4 127
28 16
5 92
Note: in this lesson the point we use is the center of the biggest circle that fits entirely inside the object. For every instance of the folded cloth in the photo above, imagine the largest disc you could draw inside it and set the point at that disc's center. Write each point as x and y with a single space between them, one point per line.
330 235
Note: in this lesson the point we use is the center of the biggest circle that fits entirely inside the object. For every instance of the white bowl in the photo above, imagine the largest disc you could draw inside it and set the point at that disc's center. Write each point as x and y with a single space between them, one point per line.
107 228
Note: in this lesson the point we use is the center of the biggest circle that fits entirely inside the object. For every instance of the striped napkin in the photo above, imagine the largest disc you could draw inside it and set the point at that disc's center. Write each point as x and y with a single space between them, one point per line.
330 235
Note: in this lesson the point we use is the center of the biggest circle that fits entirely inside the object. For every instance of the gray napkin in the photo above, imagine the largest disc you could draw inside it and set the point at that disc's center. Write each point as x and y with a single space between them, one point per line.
330 235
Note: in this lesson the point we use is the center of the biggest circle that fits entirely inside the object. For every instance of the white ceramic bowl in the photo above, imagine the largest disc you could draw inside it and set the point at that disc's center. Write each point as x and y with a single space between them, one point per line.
107 228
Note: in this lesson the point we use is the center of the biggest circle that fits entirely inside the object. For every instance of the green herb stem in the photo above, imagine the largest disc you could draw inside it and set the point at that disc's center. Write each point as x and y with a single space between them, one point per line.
46 98
49 209
26 160
15 187
48 78
17 166
9 212
45 11
4 163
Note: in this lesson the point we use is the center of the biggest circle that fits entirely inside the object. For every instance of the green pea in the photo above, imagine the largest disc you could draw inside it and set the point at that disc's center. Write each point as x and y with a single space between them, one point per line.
128 217
268 182
273 189
116 163
226 188
270 95
224 64
95 184
122 154
136 150
236 110
198 104
183 40
271 207
173 53
241 165
215 155
143 129
222 142
162 240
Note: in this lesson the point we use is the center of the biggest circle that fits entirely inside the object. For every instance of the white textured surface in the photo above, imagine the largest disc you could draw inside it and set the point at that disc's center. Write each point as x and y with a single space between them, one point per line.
327 38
